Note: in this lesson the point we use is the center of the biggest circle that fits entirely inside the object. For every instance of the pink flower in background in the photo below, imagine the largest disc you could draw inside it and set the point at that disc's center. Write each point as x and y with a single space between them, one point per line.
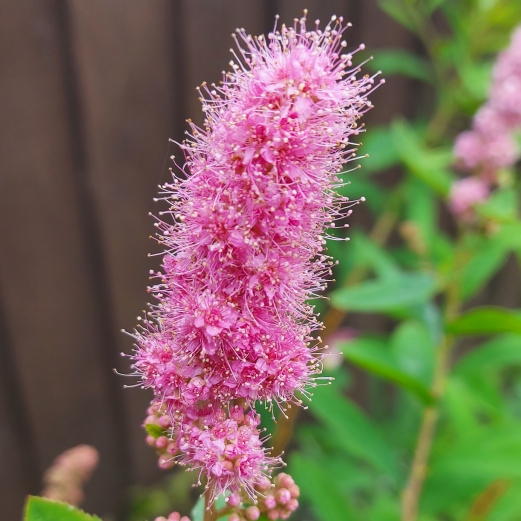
467 192
71 470
490 145
475 149
244 235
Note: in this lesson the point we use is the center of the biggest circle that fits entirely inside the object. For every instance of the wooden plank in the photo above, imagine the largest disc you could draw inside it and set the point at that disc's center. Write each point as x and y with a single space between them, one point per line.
317 9
400 96
17 454
45 276
208 26
125 63
12 483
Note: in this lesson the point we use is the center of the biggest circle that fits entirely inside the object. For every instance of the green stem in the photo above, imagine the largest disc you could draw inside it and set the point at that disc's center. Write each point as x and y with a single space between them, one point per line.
418 472
412 492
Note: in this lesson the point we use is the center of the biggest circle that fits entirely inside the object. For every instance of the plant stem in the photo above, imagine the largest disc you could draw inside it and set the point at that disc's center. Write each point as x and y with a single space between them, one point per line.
412 492
209 511
418 472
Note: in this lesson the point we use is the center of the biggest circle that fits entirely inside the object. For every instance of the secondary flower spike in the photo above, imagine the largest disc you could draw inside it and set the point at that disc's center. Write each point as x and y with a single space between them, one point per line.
244 237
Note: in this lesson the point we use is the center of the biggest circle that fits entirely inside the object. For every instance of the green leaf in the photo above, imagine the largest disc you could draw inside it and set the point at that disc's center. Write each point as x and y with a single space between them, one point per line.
422 210
396 12
378 143
494 452
197 513
361 187
384 295
368 253
154 430
501 206
486 321
357 434
413 349
369 354
320 489
399 61
495 354
489 257
476 78
509 236
431 166
432 5
42 509
508 506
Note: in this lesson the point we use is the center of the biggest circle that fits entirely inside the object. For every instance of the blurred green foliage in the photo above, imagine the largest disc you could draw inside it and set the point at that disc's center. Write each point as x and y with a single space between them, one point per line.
354 463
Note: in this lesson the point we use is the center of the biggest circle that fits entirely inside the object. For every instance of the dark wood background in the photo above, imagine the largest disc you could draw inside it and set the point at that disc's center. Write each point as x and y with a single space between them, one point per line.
90 92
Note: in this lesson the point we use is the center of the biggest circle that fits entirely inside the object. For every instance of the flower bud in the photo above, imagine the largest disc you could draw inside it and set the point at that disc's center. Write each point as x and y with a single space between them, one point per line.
252 513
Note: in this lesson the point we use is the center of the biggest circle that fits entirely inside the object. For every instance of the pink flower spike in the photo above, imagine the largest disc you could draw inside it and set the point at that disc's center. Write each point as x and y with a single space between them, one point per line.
244 233
465 193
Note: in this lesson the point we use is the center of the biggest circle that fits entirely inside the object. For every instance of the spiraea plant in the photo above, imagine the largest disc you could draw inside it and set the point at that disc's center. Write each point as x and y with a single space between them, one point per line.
244 234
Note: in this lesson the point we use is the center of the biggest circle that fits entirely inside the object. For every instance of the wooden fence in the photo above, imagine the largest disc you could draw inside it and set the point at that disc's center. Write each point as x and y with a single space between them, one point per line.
90 92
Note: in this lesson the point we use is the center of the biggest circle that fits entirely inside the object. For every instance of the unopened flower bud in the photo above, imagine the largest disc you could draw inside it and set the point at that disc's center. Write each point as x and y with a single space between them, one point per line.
294 490
283 496
172 448
292 505
273 515
252 513
264 484
166 461
165 422
234 500
270 502
161 442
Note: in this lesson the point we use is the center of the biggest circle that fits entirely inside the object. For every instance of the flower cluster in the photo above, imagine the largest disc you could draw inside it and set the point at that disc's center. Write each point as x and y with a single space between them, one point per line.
64 481
243 239
490 145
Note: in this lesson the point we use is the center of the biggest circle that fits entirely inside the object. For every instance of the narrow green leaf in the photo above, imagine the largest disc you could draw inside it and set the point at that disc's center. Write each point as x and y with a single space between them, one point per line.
396 12
368 253
509 236
375 198
399 61
508 506
422 209
413 349
486 321
321 490
432 5
369 355
495 354
488 259
42 509
494 452
383 295
197 513
379 144
355 431
475 78
502 206
431 166
154 430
